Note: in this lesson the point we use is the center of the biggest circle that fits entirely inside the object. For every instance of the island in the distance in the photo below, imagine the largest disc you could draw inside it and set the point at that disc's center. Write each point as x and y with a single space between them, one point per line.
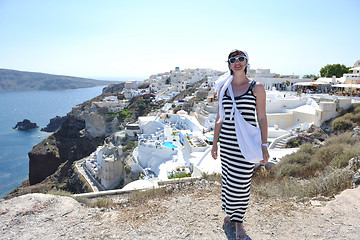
12 80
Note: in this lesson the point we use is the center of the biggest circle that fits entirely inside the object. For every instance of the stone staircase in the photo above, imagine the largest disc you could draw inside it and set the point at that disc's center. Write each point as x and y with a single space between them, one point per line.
281 143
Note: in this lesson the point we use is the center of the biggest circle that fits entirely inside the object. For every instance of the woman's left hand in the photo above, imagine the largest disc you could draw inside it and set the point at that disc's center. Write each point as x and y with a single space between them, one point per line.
266 155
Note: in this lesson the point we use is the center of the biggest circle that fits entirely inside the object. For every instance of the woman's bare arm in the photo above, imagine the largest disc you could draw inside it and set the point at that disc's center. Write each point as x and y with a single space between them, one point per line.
259 92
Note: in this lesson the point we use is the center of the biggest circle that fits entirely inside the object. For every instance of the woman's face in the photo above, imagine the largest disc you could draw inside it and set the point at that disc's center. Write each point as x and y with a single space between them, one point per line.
238 66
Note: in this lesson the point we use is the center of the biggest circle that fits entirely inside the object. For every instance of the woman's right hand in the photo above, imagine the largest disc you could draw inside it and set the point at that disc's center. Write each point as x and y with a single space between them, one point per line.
214 151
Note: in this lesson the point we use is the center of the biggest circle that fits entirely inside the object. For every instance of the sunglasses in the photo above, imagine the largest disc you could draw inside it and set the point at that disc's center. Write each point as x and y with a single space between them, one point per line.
240 59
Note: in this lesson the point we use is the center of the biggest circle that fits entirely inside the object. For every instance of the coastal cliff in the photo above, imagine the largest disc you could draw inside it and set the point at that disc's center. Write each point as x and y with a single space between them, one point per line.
85 128
51 161
67 144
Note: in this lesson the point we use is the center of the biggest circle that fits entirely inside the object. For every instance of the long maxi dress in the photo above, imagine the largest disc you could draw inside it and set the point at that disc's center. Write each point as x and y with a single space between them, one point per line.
236 171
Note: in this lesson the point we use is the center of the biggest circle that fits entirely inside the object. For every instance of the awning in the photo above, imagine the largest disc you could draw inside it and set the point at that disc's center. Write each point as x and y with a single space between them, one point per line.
355 68
303 84
321 83
343 85
311 84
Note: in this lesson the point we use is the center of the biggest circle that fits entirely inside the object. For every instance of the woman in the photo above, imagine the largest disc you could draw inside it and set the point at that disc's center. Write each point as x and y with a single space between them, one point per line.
250 98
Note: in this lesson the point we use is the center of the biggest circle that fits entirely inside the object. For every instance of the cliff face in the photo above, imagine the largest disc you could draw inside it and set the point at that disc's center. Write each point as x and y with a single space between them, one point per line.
55 124
68 144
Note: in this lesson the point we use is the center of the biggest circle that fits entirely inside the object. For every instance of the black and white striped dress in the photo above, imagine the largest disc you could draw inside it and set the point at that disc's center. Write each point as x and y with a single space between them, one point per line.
236 172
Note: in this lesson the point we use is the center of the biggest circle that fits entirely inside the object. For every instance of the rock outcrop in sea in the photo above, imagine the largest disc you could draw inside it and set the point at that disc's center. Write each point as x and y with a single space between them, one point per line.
25 125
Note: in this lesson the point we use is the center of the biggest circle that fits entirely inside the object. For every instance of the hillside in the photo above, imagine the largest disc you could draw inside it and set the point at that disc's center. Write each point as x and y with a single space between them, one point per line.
189 210
12 80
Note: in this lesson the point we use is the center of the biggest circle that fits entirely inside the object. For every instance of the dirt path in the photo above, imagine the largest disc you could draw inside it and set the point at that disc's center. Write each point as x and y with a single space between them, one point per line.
192 212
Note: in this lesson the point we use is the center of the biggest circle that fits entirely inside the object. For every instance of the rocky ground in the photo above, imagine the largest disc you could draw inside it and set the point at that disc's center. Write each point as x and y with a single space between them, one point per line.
187 211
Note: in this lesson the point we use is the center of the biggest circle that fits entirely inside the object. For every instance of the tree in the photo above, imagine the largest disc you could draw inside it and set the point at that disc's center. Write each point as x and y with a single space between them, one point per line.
334 69
168 81
311 76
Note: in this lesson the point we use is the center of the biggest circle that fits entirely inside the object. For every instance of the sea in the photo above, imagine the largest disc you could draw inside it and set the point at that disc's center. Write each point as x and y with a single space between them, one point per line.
39 107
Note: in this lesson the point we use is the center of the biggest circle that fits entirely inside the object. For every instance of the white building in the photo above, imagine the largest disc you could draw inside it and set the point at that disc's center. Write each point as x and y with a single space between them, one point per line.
132 84
112 103
130 93
168 85
106 165
275 81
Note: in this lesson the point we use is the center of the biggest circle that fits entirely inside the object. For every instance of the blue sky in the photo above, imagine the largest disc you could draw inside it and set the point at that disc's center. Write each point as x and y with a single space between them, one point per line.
109 39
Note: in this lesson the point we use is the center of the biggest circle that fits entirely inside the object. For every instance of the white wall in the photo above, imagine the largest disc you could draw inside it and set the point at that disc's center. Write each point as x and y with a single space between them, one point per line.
191 122
188 148
282 105
111 172
152 157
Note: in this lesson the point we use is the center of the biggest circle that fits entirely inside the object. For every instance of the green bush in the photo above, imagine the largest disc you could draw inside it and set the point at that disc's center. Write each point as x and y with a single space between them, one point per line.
341 124
129 146
122 114
293 143
179 175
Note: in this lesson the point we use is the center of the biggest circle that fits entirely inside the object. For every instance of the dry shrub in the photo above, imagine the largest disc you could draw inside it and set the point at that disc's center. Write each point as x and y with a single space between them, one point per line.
84 200
214 177
299 164
347 116
355 118
330 185
293 143
310 171
99 202
307 148
327 184
356 108
59 192
326 154
346 138
146 195
341 124
342 160
103 202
